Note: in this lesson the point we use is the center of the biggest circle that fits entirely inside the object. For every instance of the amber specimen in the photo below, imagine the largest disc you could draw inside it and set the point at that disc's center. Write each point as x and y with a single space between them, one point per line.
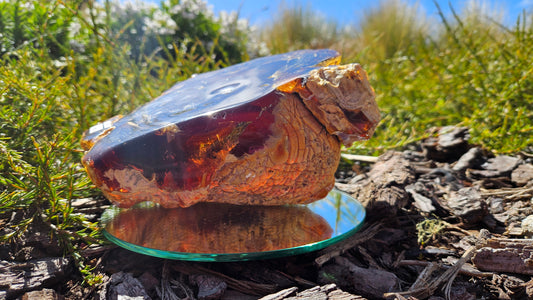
220 228
264 132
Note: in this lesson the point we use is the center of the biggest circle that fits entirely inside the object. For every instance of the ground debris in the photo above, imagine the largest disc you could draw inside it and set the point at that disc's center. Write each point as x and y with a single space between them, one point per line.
382 190
325 292
468 160
468 205
501 165
449 143
209 287
44 294
18 278
426 209
506 255
368 282
124 285
522 175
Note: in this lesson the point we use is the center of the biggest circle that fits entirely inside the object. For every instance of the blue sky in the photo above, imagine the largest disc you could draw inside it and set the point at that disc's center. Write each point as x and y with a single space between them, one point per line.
348 11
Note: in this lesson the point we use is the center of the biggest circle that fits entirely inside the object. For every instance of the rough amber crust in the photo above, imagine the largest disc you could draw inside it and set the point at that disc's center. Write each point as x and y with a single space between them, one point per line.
341 98
297 166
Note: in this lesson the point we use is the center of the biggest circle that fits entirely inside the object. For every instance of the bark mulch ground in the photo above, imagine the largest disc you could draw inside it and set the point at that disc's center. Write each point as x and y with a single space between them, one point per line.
445 220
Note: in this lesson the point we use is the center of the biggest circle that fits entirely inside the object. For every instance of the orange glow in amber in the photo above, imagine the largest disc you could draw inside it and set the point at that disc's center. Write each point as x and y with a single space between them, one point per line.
205 228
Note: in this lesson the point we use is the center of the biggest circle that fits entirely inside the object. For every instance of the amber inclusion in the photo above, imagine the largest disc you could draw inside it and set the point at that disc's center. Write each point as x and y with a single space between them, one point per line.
259 132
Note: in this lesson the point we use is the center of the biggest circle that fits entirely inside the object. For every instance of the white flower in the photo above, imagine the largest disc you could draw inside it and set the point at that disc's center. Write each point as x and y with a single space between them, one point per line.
160 23
189 9
74 28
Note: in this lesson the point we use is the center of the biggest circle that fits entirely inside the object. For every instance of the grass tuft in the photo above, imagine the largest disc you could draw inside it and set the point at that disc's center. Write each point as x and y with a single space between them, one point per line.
465 69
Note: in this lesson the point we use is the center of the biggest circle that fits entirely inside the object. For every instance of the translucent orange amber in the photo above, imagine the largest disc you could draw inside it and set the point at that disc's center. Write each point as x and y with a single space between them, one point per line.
265 132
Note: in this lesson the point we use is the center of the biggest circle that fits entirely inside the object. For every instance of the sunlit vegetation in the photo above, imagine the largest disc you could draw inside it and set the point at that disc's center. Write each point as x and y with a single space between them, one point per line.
467 68
66 65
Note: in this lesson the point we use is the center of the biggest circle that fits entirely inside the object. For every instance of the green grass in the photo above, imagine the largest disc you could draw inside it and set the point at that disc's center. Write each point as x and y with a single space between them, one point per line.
465 69
57 79
51 91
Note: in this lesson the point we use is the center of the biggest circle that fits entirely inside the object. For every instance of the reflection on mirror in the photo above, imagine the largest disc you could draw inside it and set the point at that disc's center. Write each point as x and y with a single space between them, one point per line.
225 232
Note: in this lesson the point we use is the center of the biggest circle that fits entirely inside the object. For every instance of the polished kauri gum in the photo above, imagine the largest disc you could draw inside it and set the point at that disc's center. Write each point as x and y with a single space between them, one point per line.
264 132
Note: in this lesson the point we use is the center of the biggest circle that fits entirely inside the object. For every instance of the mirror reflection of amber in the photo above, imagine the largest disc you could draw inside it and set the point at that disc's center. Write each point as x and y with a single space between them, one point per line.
220 228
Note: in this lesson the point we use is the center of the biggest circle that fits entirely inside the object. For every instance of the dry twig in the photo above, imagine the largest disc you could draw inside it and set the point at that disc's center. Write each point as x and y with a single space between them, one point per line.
422 288
462 271
358 238
509 193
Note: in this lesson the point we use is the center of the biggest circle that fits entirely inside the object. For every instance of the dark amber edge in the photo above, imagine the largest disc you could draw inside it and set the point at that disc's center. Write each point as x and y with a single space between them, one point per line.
233 257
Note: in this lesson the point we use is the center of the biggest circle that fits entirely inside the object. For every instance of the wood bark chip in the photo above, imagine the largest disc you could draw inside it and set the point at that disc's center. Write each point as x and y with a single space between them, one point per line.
422 202
17 278
325 292
468 160
506 255
44 294
468 205
527 226
449 143
522 175
501 165
281 294
123 285
209 287
367 282
382 191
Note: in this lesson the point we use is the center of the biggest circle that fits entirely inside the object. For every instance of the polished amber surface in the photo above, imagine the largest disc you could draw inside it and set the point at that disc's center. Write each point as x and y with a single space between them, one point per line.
259 133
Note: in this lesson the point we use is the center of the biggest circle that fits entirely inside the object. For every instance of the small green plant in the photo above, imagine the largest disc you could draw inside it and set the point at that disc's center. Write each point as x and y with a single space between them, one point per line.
40 23
328 277
429 230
